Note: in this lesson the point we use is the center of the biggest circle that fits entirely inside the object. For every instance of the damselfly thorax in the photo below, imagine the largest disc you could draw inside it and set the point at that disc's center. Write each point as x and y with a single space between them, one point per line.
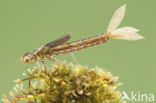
60 46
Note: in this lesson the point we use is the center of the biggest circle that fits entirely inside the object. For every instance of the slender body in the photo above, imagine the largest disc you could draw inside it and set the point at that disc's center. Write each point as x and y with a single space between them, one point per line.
59 46
78 45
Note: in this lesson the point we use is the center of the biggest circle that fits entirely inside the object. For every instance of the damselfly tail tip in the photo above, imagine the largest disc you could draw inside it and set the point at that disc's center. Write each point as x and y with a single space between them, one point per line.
126 33
134 36
116 18
123 7
69 33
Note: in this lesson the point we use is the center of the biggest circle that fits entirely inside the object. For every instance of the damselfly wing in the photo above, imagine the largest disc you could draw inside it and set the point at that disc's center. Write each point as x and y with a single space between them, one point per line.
55 43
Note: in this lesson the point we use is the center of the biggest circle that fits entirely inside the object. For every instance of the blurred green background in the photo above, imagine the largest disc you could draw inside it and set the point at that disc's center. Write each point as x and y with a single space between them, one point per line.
28 24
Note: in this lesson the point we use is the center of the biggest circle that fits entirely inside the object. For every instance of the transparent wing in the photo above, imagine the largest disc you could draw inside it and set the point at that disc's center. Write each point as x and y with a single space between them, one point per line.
116 19
55 43
59 41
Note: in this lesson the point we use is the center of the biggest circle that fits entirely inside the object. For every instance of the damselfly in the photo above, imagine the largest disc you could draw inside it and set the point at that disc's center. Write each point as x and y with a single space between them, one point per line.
59 46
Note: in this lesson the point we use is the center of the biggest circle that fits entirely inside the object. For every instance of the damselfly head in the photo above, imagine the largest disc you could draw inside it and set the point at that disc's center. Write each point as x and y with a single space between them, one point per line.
28 58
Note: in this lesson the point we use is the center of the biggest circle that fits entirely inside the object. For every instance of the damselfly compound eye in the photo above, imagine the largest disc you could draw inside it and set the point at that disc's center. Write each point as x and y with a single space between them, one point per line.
27 58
